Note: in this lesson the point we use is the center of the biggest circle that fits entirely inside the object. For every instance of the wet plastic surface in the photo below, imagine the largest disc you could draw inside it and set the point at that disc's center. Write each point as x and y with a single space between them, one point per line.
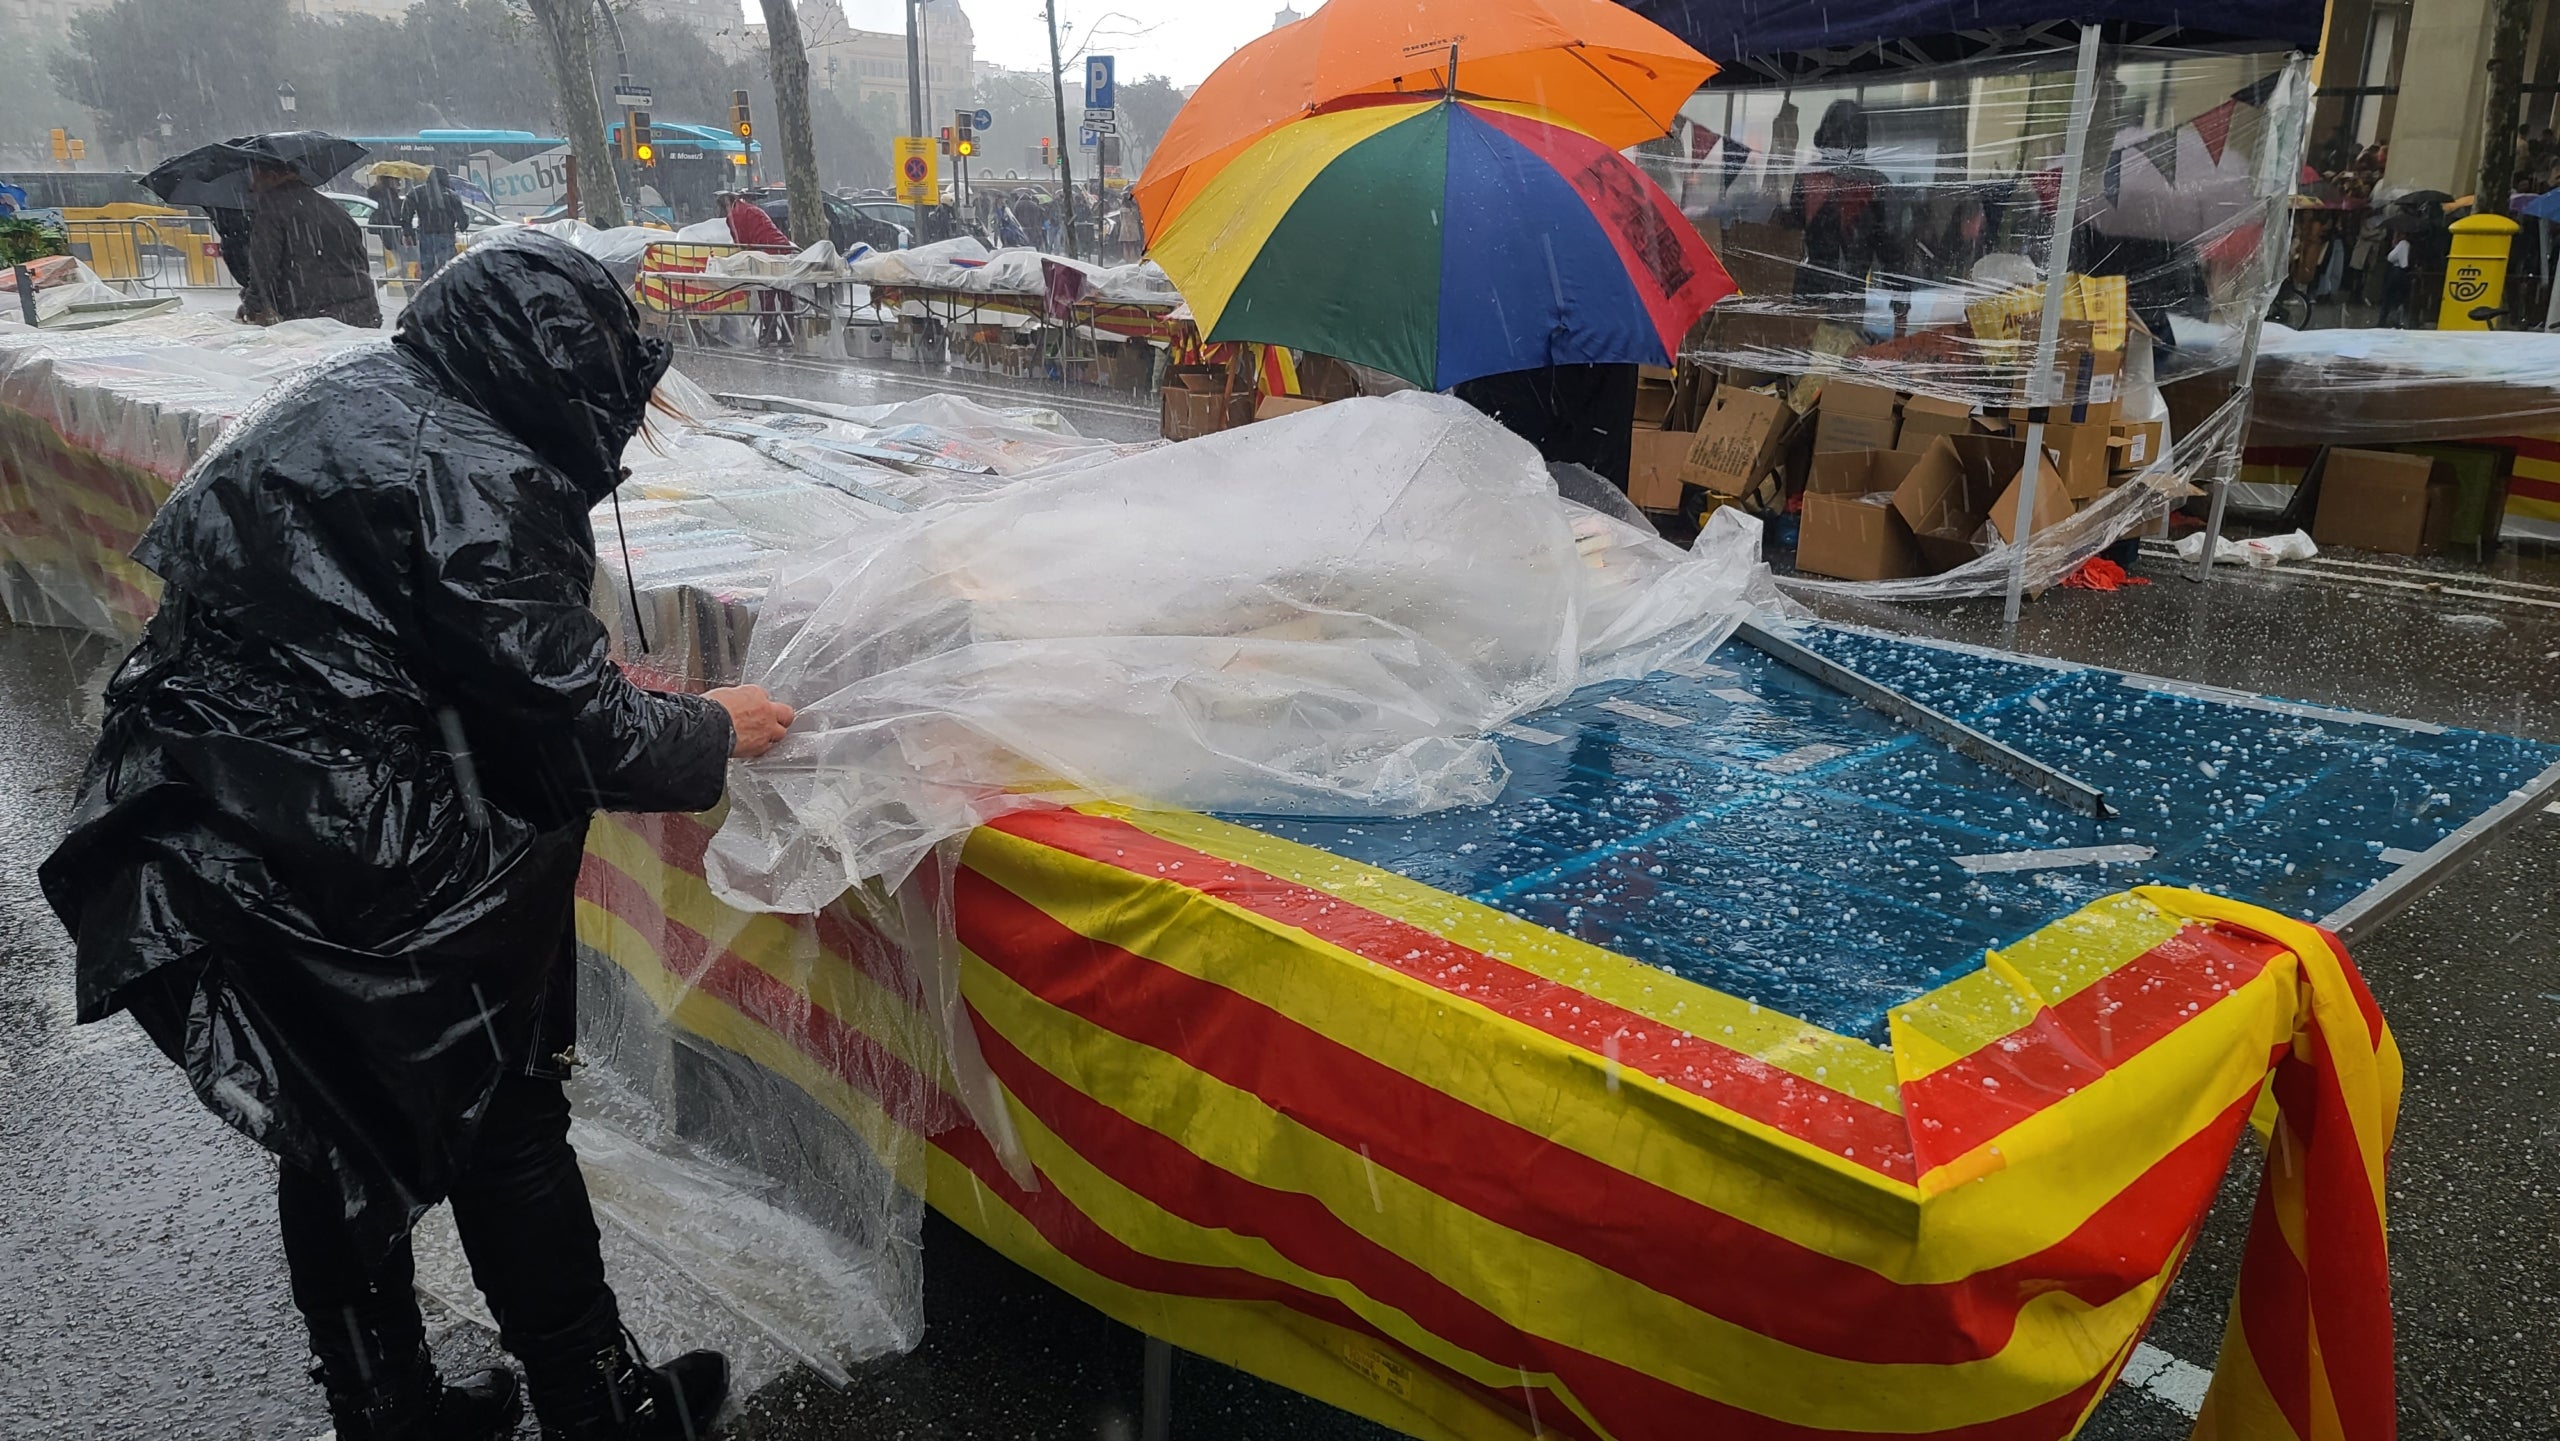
1750 829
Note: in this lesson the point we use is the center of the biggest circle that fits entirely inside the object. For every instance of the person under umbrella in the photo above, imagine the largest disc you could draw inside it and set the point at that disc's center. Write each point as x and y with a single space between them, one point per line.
306 253
390 221
327 848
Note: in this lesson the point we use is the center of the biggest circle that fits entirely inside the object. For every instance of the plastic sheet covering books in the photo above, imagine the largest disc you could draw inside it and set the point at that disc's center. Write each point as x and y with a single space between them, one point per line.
1901 234
1323 613
2376 387
97 426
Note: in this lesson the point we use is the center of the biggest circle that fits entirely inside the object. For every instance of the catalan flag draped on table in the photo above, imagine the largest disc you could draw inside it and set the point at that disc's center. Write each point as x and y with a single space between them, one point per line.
1481 1181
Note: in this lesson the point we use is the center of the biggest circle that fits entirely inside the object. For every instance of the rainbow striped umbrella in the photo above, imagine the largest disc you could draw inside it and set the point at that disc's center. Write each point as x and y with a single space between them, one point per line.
1441 240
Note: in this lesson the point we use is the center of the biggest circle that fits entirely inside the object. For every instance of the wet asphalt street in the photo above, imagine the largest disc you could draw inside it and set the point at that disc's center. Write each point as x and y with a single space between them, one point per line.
142 1290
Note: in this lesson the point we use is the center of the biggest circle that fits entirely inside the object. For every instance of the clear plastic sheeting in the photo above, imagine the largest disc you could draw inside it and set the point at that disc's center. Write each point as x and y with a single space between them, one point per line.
1900 230
2138 504
620 248
1323 614
97 426
2379 387
964 264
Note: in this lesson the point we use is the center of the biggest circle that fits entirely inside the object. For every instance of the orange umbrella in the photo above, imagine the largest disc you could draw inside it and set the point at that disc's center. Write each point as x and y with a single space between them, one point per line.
1593 64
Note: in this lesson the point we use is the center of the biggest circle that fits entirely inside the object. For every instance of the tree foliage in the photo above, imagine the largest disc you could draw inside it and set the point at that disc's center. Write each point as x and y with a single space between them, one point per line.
213 66
1147 108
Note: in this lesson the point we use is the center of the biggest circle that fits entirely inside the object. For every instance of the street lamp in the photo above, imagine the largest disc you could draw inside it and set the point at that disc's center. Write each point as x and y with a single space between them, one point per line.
284 97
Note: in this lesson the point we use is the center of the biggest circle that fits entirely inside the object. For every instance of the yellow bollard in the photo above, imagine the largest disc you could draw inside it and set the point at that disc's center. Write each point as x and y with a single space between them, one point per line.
2475 271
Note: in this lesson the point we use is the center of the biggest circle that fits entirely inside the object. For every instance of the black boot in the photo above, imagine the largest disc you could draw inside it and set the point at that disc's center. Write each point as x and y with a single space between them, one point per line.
605 1393
377 1401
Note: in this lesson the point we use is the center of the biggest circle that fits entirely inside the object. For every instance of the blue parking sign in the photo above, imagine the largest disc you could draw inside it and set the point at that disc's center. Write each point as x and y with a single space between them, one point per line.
1101 83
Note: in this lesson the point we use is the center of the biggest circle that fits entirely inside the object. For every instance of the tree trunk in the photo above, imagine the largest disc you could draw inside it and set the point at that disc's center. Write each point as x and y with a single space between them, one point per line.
568 43
2506 81
790 64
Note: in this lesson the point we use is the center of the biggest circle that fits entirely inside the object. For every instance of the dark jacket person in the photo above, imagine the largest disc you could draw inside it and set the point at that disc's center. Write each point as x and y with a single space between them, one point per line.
326 848
308 255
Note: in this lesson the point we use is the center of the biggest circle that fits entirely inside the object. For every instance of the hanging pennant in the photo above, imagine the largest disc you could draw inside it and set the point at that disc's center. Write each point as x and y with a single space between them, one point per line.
1736 156
2162 151
2214 128
1702 142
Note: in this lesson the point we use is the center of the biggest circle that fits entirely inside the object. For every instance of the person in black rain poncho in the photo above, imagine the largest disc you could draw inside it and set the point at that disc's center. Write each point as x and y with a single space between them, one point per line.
326 848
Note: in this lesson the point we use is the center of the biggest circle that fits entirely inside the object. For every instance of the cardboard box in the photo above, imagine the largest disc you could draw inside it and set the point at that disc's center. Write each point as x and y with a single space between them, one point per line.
1654 468
2383 501
1191 413
1762 258
1952 491
2143 442
2087 384
1926 417
1653 396
1275 406
1855 417
2053 501
1850 529
1739 438
2084 454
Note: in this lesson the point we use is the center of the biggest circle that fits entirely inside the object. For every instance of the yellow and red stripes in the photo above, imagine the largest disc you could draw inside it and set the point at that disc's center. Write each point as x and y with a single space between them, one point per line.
1475 1179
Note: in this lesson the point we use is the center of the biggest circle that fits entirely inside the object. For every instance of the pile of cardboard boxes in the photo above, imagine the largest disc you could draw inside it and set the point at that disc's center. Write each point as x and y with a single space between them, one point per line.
1893 485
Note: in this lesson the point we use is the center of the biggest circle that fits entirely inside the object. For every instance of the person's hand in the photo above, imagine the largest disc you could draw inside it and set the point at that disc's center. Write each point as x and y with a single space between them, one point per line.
756 719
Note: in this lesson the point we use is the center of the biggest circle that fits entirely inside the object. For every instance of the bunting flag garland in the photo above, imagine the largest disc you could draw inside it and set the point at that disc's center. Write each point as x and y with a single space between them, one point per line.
2162 151
1736 156
2214 128
1702 141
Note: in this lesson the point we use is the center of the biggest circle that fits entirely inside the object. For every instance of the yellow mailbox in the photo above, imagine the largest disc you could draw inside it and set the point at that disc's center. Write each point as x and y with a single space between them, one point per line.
2475 271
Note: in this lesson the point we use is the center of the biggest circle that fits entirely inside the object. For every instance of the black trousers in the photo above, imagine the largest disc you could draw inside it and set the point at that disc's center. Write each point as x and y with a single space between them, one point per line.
526 1226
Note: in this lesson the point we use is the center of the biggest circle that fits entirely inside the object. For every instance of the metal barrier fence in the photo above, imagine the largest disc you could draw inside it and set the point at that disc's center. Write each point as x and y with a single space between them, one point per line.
154 253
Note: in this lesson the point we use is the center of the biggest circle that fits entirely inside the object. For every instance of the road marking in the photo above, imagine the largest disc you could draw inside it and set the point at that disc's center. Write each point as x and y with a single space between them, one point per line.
2166 1379
1531 734
1730 696
2394 856
2552 809
1802 758
2004 862
1632 711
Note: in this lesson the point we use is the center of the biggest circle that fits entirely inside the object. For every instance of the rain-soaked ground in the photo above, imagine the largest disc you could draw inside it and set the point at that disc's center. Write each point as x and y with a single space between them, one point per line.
142 1289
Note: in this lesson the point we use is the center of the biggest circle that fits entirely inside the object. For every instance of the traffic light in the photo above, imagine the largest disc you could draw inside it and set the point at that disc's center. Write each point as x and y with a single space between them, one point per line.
644 150
1045 161
946 140
966 143
740 123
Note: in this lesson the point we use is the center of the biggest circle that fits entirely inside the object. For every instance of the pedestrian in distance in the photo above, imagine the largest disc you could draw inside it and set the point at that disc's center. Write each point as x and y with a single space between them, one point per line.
326 850
749 225
2396 285
307 255
391 223
437 215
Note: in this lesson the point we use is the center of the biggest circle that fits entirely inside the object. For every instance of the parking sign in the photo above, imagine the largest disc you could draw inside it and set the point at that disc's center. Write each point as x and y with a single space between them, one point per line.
1101 83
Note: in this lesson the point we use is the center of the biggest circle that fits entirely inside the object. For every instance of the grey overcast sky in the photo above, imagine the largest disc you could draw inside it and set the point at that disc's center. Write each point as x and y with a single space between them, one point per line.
1184 39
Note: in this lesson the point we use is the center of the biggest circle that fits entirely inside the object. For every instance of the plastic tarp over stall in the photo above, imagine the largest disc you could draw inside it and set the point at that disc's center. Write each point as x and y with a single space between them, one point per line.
1900 230
1888 33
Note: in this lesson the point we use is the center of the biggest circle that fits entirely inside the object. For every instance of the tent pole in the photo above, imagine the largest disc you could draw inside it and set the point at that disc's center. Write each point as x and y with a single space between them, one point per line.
2057 278
2288 142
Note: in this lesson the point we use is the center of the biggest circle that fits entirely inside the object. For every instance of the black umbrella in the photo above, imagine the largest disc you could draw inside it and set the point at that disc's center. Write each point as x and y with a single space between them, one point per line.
2423 197
216 177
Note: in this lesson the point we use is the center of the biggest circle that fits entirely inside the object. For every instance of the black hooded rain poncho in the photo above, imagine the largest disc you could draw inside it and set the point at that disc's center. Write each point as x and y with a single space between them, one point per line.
326 850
